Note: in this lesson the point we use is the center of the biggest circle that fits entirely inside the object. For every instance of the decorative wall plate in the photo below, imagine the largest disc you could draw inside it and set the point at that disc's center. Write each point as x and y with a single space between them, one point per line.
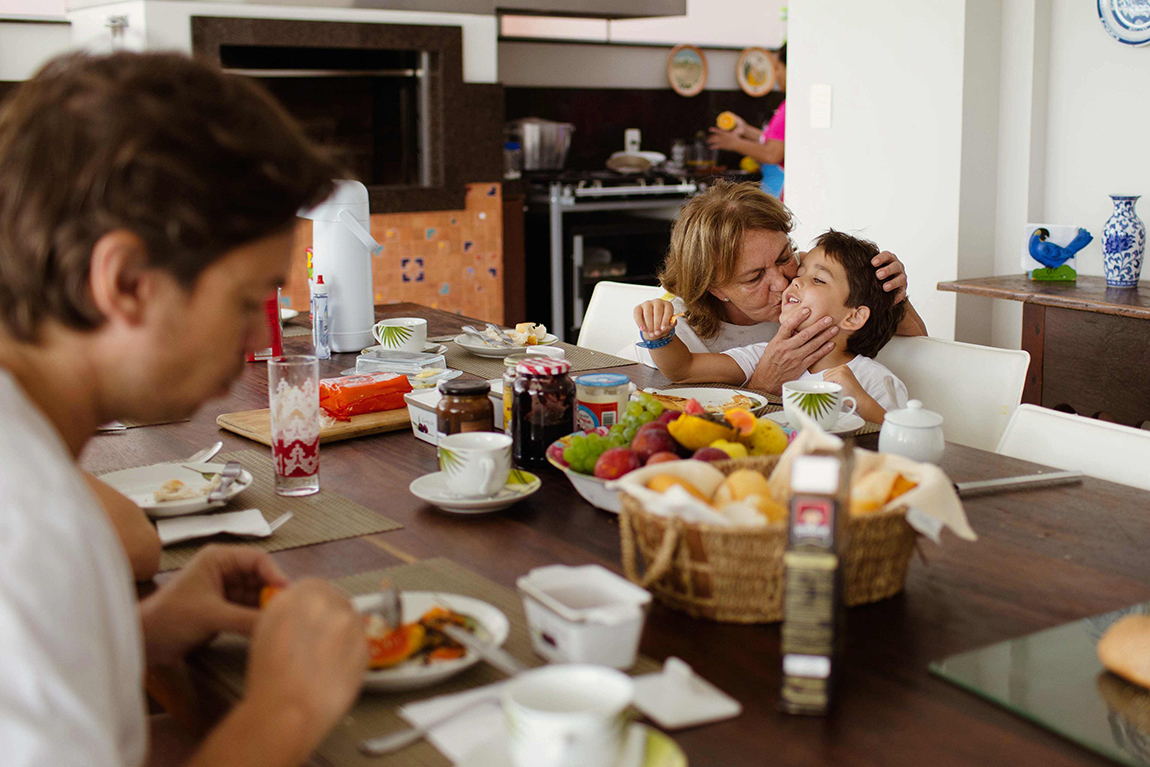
755 71
687 70
1127 21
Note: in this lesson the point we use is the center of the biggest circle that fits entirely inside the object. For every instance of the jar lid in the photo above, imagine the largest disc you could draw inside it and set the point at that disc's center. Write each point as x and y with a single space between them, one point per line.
512 360
603 379
552 352
468 388
543 366
914 416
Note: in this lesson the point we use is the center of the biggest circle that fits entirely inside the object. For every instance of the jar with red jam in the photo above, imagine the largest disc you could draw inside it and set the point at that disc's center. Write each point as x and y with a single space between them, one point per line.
542 409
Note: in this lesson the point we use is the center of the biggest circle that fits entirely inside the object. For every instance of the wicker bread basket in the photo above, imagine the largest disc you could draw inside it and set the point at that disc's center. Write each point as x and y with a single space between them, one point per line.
735 575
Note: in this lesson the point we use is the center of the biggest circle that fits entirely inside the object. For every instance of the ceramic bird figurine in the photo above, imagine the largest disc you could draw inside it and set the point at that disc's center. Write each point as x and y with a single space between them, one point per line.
1053 256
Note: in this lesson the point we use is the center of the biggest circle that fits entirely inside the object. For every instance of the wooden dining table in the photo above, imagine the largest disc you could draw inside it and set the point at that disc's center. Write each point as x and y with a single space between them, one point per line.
1043 558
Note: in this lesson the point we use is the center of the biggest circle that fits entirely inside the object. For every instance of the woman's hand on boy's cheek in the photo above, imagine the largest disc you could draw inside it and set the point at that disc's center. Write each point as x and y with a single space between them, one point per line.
892 274
843 376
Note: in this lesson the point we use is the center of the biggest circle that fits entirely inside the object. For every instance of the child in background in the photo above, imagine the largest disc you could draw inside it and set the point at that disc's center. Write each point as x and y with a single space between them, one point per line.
835 279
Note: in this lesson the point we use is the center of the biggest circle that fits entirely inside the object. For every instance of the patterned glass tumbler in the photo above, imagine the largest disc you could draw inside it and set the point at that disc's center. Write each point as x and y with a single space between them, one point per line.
293 396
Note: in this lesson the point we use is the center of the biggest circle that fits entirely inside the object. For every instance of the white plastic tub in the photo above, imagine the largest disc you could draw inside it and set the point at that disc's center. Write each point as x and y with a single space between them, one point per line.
584 614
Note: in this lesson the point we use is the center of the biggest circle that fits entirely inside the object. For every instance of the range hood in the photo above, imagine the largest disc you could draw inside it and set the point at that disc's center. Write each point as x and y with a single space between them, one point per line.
599 9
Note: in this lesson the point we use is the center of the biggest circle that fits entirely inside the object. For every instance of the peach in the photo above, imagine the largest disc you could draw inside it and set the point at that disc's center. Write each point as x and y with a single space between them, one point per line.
662 456
616 462
710 454
652 439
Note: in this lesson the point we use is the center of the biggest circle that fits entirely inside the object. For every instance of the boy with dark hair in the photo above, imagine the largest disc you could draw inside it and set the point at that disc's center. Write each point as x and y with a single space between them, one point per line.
836 280
147 205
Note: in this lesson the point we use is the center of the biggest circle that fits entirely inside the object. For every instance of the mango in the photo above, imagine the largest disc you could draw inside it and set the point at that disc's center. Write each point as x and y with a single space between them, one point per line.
693 432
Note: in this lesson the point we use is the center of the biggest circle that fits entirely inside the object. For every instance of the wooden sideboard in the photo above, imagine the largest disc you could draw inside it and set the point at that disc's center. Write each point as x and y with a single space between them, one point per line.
1089 345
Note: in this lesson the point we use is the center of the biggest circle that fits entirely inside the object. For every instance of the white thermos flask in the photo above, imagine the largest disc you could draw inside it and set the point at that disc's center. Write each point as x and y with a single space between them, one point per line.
342 248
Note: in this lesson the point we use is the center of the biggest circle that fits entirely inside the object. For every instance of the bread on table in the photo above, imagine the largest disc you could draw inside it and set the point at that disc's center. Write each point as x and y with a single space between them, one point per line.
1125 649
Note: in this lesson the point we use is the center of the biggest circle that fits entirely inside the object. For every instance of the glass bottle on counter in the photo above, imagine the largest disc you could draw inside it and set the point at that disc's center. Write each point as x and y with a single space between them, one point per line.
465 406
512 160
509 364
542 409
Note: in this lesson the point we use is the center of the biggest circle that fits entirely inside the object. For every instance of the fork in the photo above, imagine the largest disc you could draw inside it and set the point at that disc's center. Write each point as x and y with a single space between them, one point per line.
230 474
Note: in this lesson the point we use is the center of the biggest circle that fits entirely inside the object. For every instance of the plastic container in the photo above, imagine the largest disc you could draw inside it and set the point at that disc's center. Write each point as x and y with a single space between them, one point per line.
320 321
602 399
421 409
584 614
408 363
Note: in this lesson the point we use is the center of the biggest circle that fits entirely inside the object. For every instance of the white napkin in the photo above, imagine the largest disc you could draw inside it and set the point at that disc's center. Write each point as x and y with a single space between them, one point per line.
460 735
249 522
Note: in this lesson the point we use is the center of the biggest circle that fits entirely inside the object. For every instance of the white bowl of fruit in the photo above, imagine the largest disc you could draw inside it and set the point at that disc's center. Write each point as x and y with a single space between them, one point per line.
650 434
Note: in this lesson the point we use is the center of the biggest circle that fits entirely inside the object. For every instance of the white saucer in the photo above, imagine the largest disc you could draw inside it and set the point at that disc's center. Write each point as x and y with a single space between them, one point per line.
846 424
287 314
428 348
433 489
645 747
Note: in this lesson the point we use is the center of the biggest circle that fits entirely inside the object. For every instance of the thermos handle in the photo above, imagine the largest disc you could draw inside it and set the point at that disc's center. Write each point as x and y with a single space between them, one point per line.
352 223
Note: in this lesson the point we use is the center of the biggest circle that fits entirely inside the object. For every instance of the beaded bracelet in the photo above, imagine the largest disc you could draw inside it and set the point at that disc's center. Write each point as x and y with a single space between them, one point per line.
658 343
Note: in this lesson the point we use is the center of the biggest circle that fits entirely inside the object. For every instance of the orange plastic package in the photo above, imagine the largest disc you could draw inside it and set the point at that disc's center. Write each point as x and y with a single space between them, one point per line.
341 398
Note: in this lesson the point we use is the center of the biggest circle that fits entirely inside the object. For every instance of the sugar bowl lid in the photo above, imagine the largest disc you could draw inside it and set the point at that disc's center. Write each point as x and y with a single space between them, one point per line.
915 416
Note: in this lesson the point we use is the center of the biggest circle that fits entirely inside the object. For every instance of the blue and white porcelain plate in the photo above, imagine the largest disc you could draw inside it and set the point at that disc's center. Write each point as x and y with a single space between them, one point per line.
1127 21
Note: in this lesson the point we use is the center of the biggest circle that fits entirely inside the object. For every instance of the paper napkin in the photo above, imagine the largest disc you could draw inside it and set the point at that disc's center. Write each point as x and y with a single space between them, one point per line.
249 523
460 735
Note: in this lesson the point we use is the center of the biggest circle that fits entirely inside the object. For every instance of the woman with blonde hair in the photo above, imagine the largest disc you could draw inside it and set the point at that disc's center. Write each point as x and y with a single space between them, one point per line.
731 258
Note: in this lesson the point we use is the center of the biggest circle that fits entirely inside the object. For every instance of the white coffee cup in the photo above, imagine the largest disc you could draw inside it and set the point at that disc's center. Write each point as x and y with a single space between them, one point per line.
567 715
821 401
401 334
475 464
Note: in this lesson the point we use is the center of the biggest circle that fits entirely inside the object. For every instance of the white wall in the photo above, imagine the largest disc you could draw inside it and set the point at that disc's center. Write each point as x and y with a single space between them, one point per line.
25 46
32 7
889 166
708 22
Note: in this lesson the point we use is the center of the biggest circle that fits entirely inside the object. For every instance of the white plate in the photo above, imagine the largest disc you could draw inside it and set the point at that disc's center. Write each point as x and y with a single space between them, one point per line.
428 348
140 484
470 344
287 314
645 747
415 674
845 425
433 489
713 397
1125 21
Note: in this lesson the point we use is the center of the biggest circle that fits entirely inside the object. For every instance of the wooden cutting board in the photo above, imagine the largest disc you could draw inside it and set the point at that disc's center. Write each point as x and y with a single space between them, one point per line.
256 425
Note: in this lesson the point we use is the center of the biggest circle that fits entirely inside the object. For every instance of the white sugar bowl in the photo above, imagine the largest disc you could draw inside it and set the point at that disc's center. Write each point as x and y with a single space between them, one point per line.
913 432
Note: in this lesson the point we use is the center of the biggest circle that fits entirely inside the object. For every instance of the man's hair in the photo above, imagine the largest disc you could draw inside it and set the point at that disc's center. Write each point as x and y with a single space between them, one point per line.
866 289
706 241
193 161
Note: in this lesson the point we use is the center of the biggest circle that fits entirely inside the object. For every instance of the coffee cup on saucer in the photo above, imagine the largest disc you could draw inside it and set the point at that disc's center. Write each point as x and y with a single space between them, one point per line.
475 464
401 334
821 401
568 715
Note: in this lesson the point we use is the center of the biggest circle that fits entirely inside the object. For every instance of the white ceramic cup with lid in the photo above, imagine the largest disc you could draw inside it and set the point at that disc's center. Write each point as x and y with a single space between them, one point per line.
913 432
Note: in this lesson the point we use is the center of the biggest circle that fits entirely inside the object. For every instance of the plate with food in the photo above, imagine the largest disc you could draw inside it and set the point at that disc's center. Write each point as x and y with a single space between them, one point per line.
715 401
525 334
172 489
418 654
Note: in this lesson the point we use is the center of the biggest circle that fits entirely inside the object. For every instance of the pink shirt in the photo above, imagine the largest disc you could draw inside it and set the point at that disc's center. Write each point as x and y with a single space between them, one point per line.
776 129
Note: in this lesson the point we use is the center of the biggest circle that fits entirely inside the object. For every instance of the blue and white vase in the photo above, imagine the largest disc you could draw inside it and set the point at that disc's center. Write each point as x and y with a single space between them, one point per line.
1123 243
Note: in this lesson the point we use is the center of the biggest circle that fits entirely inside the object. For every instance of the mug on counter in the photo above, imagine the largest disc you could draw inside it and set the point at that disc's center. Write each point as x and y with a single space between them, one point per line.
567 715
401 334
821 401
475 464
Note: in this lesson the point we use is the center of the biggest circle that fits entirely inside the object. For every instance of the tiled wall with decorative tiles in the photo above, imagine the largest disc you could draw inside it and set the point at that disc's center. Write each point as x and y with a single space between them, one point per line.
450 260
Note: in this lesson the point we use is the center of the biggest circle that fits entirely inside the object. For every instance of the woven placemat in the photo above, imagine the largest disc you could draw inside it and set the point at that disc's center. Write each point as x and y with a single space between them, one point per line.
492 367
296 331
325 516
377 713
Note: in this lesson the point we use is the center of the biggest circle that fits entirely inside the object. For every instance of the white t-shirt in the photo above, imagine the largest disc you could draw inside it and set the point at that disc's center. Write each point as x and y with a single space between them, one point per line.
729 336
71 650
871 375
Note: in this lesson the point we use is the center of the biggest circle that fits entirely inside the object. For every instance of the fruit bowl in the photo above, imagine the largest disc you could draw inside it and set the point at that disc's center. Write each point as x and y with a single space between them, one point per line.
593 489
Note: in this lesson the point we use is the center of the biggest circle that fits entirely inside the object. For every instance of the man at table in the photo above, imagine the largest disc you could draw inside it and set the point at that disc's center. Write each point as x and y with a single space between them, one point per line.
146 209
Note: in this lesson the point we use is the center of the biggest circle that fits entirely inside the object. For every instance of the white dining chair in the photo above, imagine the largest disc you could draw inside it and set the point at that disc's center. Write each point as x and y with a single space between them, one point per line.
1066 441
974 388
608 325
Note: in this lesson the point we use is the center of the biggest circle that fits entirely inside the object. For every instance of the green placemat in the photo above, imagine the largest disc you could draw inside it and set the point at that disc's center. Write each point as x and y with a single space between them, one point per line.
492 367
325 516
377 713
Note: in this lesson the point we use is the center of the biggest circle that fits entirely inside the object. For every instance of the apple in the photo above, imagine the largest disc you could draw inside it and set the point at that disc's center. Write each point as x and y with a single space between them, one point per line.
710 454
662 456
667 416
651 439
617 461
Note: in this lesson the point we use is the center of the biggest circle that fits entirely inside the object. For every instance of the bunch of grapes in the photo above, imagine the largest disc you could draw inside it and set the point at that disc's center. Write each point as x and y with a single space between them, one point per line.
642 410
585 449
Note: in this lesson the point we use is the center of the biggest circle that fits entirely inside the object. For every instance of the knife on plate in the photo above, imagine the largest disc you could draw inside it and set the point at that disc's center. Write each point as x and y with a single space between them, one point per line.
496 656
1014 484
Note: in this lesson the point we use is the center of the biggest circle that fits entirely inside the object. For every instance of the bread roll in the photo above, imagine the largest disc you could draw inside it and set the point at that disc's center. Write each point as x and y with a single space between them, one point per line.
870 493
1125 649
740 484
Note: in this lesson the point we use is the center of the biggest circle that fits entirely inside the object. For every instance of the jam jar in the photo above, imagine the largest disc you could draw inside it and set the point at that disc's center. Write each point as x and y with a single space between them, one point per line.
542 409
465 406
509 365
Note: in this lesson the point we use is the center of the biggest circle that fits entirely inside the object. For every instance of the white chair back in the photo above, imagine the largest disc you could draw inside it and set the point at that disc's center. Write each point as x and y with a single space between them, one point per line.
974 388
1065 441
608 325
